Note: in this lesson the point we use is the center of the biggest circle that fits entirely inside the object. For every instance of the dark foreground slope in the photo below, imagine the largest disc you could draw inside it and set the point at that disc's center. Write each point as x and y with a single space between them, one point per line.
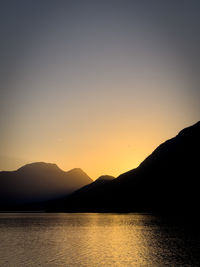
85 193
88 189
166 181
38 182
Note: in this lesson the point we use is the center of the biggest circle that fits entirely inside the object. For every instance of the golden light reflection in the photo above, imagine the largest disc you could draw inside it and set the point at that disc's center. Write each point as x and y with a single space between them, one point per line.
117 240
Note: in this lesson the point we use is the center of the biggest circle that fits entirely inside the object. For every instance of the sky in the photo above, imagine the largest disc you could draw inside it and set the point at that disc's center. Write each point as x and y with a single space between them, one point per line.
96 84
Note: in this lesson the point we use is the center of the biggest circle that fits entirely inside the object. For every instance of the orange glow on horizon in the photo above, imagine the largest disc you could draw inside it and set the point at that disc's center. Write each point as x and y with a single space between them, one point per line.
108 153
94 88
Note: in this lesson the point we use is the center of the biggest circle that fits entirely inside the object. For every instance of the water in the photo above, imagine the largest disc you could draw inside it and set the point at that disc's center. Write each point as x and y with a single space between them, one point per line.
96 240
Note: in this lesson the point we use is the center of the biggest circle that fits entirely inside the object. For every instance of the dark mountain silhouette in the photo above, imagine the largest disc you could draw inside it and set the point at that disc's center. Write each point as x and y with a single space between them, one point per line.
38 182
97 183
166 181
87 190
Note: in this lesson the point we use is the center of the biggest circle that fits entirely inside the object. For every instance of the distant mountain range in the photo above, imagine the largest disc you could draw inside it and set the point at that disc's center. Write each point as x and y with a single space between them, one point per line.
38 182
166 181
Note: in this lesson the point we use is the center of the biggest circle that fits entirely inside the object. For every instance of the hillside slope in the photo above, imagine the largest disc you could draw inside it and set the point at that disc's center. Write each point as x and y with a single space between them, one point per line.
166 181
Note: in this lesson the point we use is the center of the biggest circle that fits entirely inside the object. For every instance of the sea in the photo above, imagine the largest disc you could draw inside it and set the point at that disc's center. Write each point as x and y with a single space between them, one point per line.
97 239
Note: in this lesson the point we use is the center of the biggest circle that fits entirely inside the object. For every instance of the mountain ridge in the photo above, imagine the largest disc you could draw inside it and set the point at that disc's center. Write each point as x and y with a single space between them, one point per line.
39 181
166 181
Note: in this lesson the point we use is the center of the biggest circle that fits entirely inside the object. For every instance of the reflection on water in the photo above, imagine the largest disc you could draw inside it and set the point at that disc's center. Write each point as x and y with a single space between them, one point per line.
96 240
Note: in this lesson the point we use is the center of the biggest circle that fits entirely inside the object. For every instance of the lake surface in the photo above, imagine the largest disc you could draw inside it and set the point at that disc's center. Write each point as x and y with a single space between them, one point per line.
39 239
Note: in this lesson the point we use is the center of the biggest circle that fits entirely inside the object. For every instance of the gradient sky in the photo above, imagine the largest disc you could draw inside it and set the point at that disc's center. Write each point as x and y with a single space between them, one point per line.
96 84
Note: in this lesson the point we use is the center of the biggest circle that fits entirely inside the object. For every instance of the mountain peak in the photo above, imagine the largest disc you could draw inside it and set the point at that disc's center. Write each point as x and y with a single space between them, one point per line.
190 130
77 170
105 178
39 166
38 182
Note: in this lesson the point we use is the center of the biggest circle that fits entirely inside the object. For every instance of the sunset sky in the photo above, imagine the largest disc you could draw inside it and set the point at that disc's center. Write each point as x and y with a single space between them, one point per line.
96 84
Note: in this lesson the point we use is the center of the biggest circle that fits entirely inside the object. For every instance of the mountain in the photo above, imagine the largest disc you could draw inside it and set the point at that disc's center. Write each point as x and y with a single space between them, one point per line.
166 181
38 182
59 204
97 183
